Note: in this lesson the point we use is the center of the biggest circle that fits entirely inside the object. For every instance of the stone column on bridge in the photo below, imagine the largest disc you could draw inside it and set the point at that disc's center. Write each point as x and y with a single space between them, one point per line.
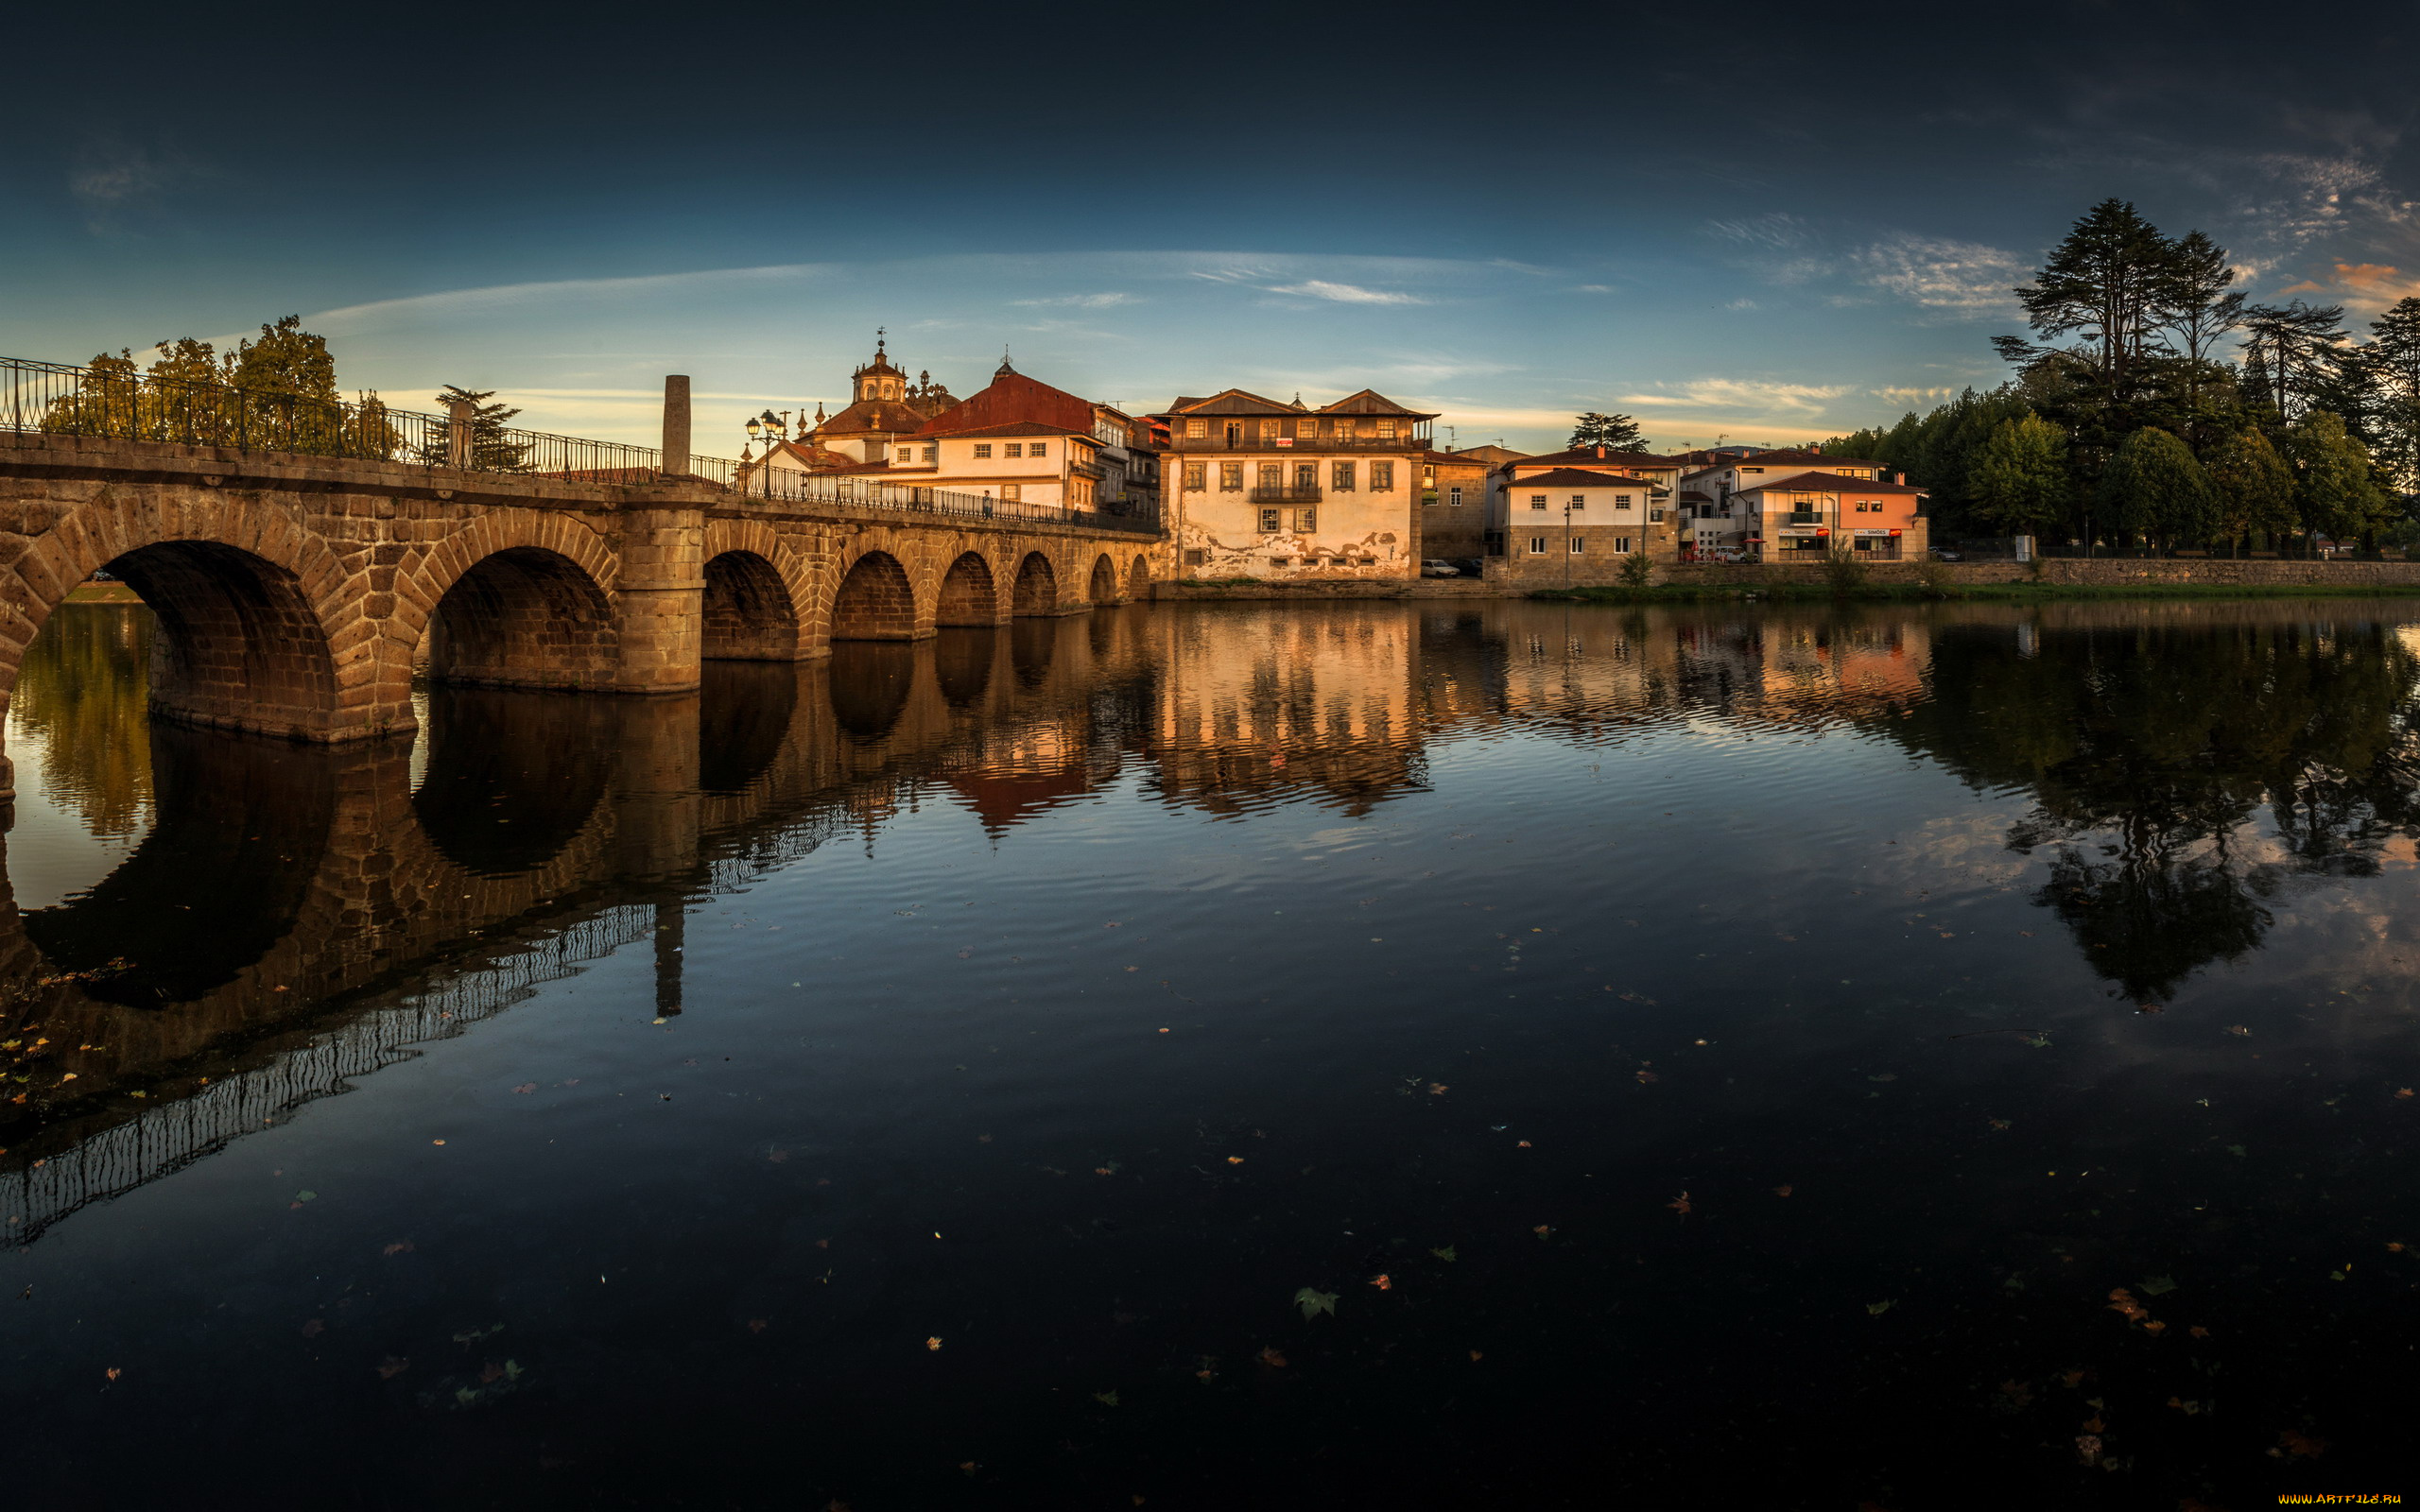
660 598
675 459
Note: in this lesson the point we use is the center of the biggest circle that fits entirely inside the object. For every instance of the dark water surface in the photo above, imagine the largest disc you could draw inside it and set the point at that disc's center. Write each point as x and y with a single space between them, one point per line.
1727 1058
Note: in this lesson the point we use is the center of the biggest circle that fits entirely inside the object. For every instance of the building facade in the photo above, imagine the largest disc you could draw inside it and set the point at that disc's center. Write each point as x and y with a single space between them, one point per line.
1265 488
1453 507
1807 515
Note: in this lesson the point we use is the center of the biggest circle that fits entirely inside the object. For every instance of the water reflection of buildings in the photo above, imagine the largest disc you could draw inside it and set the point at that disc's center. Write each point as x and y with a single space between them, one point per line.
297 916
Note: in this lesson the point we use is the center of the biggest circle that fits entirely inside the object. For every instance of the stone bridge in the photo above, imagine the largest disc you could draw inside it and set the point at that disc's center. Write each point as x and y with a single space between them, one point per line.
296 595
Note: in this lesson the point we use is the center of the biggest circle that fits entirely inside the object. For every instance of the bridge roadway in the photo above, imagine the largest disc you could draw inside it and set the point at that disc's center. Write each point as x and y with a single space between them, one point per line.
300 914
296 594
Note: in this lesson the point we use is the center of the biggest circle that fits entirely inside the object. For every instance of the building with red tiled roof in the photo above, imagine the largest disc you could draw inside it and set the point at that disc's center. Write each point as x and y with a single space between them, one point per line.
1806 513
884 405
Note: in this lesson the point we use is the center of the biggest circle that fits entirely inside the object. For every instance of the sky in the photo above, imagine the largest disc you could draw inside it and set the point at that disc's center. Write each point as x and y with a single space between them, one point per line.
1752 223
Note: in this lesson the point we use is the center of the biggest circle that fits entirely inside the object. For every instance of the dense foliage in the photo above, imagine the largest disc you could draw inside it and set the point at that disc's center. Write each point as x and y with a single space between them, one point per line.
2154 405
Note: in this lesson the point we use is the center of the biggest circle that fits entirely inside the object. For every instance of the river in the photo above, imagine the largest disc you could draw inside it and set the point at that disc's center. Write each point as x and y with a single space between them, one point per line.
1391 1055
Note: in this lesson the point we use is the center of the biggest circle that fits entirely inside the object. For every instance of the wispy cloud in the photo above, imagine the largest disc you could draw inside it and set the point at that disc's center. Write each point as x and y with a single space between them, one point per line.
1912 396
2363 286
1749 396
1954 278
1083 302
1320 288
1777 230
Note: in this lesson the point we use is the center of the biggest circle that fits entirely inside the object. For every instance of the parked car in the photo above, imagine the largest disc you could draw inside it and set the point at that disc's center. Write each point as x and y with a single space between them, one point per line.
1439 567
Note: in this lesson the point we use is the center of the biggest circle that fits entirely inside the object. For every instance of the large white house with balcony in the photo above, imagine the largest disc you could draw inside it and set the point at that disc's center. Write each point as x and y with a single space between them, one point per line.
1259 488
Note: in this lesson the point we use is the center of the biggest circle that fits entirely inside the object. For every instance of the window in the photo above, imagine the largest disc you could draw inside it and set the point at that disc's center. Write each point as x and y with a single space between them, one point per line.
933 454
1453 498
1011 491
1306 429
1621 545
1281 561
907 453
1273 475
1197 555
1382 477
1196 429
1580 501
982 451
1038 449
1579 545
1270 523
1231 477
1342 478
1655 516
1385 430
1537 501
1751 470
1621 501
1306 521
1197 476
1537 546
1012 449
1369 562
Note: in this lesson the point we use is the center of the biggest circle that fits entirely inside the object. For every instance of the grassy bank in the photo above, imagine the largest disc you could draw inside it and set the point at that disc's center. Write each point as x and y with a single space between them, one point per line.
1981 593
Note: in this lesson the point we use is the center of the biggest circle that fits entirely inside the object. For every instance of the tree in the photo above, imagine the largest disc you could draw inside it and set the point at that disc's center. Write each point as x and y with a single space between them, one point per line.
2290 352
2154 487
1614 433
2252 488
2194 303
2019 477
491 451
2337 490
2109 284
2393 353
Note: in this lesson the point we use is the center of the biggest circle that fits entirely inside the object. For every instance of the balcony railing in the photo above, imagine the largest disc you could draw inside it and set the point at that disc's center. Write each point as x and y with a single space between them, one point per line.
1299 494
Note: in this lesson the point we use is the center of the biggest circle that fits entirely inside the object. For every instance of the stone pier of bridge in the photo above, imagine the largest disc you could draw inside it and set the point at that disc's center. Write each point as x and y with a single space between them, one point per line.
301 596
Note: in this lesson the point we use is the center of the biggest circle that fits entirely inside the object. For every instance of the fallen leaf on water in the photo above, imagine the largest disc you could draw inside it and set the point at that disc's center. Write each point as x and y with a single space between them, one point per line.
314 1329
1646 1076
2199 1331
1234 1160
2154 1326
1524 1144
1543 1232
1877 1308
305 1195
2002 1123
2396 1245
1313 1302
2239 1028
1272 1359
757 1325
2073 1378
1782 1191
2296 1444
1680 1203
967 1466
1383 1282
933 1343
114 1372
2403 1092
2159 1285
1477 1356
2235 1149
396 1365
1436 1088
823 1244
1445 1254
1107 1398
398 1247
527 1087
2087 1448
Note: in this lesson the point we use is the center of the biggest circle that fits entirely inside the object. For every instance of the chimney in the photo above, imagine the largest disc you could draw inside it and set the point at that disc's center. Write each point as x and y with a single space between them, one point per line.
1900 478
1600 453
1816 450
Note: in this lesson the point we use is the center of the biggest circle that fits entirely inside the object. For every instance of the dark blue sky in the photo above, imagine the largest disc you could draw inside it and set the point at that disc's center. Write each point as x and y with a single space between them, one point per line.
1764 222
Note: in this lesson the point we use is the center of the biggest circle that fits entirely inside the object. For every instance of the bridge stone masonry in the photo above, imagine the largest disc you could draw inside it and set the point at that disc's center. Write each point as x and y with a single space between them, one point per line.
297 594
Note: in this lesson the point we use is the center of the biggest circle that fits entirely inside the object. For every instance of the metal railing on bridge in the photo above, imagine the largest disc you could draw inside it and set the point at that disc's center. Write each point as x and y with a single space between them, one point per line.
125 404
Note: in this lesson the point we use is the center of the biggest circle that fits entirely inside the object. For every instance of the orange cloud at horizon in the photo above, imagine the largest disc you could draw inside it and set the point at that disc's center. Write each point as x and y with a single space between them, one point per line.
2367 283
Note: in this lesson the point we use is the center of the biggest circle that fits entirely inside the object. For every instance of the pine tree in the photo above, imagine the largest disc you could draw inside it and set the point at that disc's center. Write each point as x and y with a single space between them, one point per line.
2394 359
1614 433
2290 352
491 450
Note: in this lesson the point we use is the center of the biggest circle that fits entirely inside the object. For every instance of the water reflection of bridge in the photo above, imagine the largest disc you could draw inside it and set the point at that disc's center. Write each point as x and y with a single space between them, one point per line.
297 915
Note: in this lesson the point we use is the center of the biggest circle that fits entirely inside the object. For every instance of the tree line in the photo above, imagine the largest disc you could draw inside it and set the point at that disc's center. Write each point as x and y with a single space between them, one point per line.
2155 404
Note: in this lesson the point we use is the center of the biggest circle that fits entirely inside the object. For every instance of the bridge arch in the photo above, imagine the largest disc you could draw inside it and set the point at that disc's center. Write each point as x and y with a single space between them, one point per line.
1037 588
1104 583
970 593
259 626
517 600
1138 578
756 590
876 601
